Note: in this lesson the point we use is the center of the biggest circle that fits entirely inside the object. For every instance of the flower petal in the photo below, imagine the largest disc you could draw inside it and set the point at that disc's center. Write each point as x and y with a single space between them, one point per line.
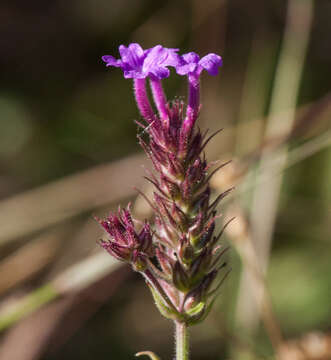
157 60
191 57
161 72
111 61
189 64
211 63
133 74
172 58
186 69
132 56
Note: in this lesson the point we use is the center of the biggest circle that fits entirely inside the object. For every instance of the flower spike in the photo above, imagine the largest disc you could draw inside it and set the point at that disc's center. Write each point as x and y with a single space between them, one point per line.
179 259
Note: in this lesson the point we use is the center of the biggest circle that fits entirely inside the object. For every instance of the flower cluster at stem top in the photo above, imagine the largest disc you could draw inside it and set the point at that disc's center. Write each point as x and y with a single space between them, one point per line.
138 63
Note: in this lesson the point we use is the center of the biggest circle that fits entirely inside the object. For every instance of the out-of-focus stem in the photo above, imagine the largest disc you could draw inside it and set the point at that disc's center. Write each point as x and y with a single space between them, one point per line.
31 302
159 98
255 92
182 341
77 277
242 239
284 98
280 122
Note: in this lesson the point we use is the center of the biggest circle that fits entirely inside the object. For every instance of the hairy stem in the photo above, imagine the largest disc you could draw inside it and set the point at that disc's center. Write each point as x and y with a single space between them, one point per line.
143 103
159 97
193 105
193 95
182 341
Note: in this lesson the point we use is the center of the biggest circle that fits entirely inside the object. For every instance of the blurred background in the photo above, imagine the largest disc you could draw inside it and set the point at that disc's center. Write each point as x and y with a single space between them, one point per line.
68 151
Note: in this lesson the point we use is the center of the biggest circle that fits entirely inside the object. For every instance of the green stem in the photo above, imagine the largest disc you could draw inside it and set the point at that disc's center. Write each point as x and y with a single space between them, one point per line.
182 341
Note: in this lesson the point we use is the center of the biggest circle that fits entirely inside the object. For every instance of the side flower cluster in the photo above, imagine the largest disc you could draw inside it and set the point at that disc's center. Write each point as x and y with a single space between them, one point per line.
181 258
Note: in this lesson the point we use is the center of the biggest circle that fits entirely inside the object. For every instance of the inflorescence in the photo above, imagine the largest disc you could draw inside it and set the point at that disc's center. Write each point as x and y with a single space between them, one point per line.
180 258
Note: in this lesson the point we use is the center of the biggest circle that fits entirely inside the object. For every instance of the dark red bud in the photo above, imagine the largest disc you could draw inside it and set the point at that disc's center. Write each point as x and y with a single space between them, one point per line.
197 226
186 253
138 261
122 253
206 235
196 268
207 281
165 262
169 188
179 277
193 298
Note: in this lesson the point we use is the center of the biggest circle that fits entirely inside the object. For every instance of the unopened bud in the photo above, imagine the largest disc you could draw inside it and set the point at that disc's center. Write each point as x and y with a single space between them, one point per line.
180 278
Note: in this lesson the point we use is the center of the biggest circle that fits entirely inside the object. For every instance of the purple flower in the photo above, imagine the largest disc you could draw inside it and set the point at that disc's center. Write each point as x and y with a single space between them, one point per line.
193 65
158 59
132 60
137 63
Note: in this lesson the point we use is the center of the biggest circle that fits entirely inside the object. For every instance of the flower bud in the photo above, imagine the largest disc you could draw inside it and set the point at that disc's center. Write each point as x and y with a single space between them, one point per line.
138 261
125 243
180 278
186 252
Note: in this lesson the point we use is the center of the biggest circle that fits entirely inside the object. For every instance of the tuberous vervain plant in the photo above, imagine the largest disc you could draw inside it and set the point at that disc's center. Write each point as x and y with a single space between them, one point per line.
179 257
